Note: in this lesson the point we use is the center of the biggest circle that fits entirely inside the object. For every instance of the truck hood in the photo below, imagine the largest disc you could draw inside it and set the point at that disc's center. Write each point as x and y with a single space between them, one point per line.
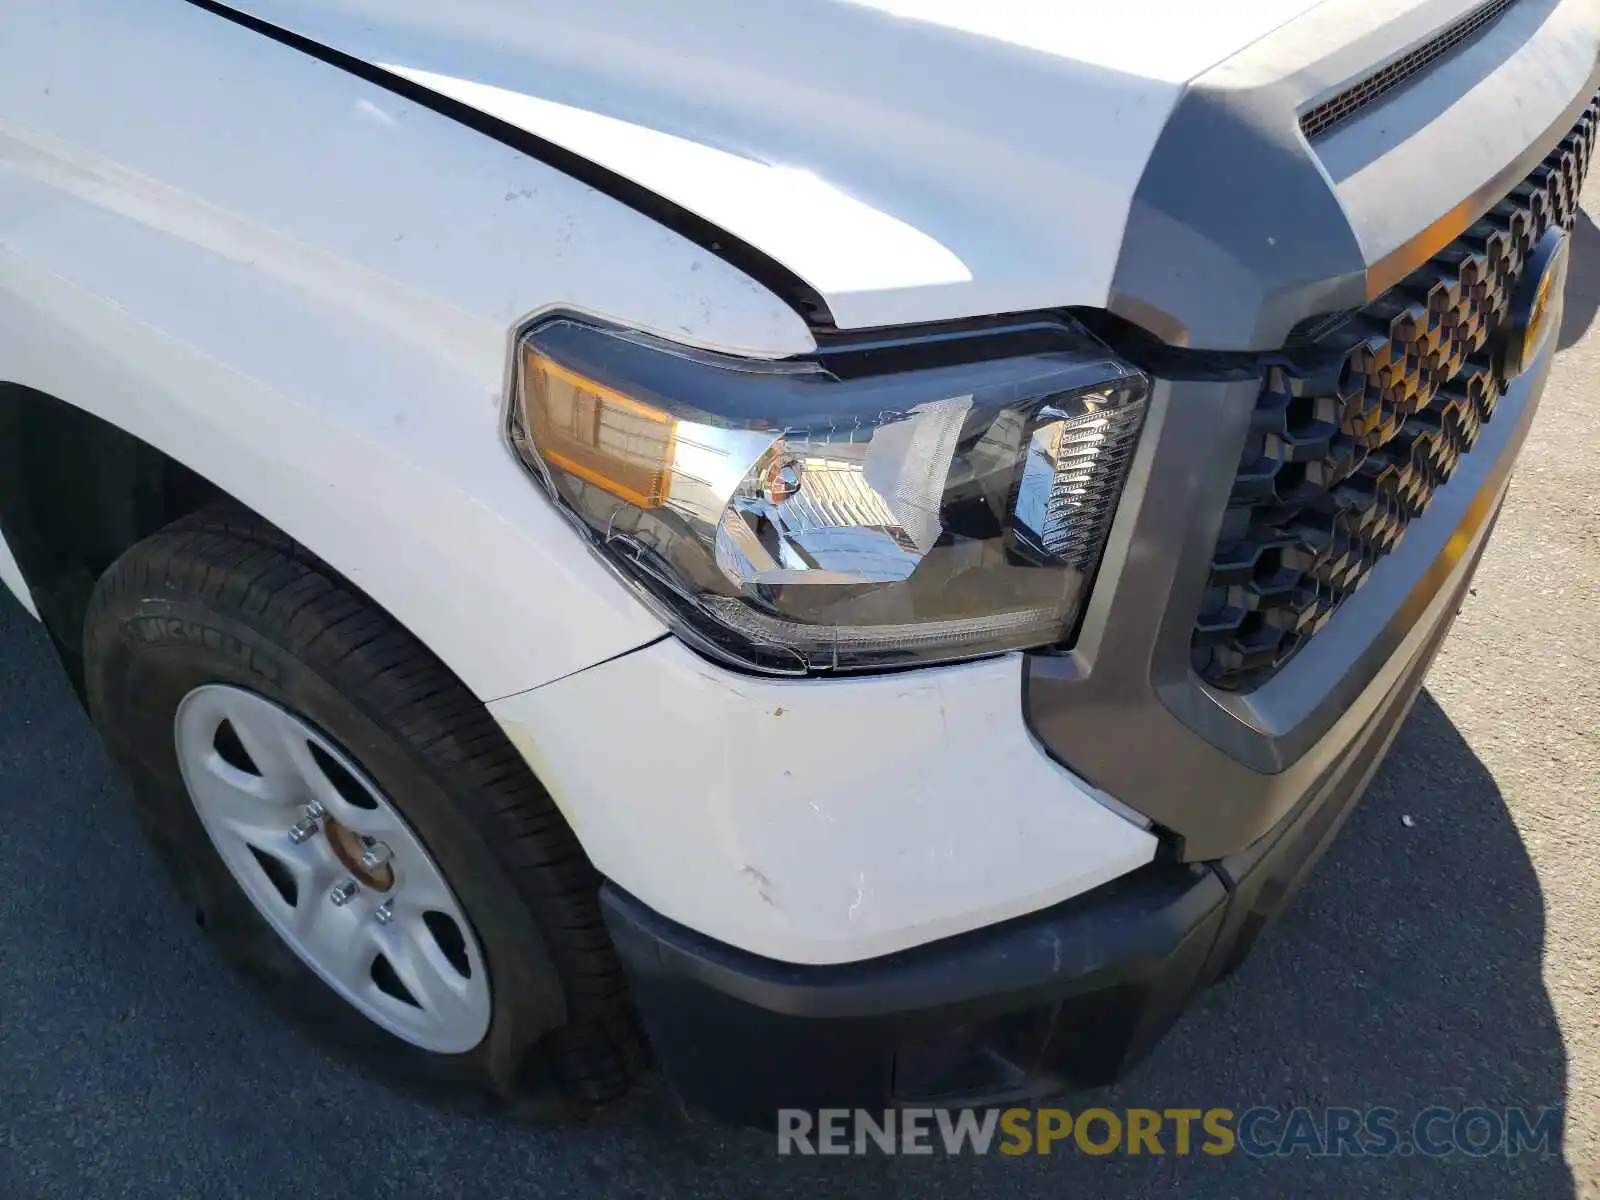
910 160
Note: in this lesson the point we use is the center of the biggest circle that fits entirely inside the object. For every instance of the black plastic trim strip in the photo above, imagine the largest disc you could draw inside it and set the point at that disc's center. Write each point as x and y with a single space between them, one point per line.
884 351
764 269
1124 925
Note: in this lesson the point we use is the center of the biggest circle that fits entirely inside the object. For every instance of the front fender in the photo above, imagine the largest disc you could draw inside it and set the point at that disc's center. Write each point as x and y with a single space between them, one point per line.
304 288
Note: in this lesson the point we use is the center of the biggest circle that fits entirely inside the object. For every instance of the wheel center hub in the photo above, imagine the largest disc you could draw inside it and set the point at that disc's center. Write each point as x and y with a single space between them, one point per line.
349 847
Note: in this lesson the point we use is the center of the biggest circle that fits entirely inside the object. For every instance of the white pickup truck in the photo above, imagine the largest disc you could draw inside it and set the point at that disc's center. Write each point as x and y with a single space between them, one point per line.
867 545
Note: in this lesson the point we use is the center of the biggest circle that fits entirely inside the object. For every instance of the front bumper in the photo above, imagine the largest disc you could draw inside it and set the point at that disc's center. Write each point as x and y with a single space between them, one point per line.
1070 996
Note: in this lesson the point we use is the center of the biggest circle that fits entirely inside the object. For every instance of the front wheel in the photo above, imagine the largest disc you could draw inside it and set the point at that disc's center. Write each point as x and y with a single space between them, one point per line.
348 824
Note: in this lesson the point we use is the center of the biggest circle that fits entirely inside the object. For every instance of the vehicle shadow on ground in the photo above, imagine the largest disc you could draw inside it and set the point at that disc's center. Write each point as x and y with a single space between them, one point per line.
1583 281
131 1064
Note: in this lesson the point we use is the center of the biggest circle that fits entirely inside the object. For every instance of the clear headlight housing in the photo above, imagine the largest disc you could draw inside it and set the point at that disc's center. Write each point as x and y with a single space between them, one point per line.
872 508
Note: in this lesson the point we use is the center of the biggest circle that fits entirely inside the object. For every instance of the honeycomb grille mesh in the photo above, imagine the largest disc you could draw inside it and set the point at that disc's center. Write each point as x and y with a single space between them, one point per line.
1352 434
1319 120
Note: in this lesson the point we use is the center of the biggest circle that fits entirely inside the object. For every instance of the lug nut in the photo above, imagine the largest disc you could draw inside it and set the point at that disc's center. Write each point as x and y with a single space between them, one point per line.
375 856
307 826
345 892
384 913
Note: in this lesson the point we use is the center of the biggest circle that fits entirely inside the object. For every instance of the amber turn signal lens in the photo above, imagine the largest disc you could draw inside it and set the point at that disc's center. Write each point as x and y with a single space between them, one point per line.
596 433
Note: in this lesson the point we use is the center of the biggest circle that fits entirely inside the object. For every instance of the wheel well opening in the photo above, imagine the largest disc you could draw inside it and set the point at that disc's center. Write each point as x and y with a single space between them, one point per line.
75 492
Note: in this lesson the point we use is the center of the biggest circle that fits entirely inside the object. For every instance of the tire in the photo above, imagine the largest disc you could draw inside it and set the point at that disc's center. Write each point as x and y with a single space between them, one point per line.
223 598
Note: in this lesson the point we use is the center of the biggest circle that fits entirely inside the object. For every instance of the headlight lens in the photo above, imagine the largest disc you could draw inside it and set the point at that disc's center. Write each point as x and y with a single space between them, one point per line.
794 517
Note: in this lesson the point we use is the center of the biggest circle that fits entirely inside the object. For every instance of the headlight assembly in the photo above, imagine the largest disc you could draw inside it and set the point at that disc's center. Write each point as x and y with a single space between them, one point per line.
794 517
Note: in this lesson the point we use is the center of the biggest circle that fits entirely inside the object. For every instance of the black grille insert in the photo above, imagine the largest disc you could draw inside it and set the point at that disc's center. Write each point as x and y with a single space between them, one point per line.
1355 430
1347 103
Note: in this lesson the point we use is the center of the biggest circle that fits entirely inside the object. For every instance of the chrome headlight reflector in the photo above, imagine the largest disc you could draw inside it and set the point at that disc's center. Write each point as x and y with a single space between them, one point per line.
793 517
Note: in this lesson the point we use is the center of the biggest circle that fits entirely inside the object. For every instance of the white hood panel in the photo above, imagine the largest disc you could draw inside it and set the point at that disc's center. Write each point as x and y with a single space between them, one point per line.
911 160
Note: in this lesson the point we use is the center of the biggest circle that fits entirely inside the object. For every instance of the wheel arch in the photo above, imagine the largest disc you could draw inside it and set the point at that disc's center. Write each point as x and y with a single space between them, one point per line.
77 491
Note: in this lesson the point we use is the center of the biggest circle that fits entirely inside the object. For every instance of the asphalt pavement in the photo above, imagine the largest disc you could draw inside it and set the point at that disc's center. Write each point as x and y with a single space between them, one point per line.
1447 952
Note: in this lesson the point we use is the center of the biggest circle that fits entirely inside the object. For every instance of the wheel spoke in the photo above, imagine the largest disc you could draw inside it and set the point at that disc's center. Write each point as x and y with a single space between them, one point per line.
265 731
380 822
421 890
314 869
427 974
225 794
339 941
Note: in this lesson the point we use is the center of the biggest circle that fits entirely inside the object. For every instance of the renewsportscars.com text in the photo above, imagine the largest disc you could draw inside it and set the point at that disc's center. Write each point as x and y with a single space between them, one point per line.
1258 1131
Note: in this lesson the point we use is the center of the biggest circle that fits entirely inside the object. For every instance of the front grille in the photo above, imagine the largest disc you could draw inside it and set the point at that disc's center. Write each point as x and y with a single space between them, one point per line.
1355 429
1317 121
